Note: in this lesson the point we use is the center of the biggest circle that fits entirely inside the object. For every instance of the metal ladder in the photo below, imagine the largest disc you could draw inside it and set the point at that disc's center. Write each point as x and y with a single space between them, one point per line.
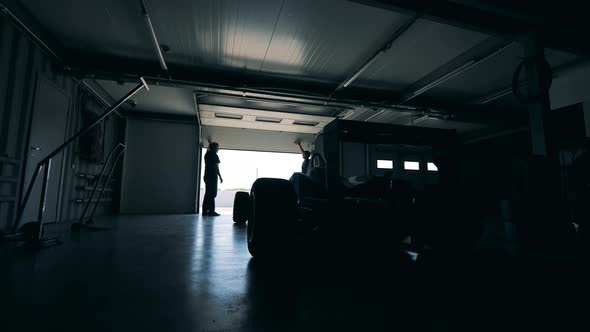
120 149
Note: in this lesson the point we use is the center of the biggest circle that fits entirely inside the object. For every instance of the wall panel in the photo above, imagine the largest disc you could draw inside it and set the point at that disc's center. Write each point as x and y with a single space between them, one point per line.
21 64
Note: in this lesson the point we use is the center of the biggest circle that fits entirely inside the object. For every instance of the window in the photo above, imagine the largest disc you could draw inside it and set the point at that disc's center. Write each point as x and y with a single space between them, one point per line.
432 167
384 164
411 165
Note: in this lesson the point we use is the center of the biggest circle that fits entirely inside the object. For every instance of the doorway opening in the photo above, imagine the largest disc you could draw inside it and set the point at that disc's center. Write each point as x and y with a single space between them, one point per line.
240 168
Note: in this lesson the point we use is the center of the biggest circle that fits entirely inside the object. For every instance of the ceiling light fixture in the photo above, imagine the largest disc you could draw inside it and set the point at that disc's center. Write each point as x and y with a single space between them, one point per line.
229 116
271 120
305 123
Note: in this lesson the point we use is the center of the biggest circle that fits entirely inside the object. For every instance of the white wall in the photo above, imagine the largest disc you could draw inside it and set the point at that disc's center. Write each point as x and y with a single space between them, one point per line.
160 169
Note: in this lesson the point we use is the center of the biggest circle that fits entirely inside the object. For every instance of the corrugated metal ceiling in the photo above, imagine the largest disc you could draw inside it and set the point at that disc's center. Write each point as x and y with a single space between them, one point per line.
323 41
110 27
490 75
423 48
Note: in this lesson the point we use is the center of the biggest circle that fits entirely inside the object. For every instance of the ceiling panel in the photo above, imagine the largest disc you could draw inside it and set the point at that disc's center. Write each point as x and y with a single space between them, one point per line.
224 33
418 119
490 75
108 27
421 49
325 39
328 39
160 99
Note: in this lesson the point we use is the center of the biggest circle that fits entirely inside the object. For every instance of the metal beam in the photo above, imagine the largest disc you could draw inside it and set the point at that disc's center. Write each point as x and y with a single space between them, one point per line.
240 85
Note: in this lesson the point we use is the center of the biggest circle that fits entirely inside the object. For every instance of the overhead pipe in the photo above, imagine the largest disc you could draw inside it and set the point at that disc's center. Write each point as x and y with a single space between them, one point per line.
150 26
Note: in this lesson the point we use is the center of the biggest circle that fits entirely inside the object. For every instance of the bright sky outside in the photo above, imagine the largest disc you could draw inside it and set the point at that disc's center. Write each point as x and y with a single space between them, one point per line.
240 169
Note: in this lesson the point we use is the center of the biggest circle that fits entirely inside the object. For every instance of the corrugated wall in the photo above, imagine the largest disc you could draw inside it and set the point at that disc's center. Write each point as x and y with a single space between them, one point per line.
21 63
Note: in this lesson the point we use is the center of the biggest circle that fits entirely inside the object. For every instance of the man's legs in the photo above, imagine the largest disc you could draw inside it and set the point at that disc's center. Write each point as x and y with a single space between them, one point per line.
207 199
210 194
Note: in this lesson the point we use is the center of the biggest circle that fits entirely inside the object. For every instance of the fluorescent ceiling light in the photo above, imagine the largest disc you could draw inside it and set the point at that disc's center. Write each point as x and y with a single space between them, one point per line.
272 120
432 167
305 123
229 116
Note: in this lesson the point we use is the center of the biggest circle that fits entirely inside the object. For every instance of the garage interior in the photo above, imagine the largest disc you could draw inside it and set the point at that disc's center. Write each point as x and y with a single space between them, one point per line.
106 107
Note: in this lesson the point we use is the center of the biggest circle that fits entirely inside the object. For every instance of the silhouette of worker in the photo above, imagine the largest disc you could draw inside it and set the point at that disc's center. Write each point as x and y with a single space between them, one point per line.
305 154
211 174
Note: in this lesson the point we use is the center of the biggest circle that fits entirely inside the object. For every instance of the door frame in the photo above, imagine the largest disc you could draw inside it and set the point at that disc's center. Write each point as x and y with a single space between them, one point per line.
39 79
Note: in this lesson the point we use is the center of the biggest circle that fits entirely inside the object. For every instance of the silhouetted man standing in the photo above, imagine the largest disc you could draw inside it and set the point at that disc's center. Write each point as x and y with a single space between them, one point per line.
211 174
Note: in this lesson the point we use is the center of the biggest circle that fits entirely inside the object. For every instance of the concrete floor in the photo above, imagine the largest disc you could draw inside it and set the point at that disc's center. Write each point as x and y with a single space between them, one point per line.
193 273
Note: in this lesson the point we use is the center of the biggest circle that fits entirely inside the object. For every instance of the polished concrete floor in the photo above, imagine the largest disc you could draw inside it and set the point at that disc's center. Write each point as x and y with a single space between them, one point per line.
193 273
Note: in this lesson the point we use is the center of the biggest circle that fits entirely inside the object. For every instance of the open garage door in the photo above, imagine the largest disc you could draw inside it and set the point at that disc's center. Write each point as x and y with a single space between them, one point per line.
240 168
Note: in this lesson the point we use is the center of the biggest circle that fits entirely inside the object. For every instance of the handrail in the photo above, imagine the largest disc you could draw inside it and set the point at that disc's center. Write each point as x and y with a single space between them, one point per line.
99 179
108 180
47 163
